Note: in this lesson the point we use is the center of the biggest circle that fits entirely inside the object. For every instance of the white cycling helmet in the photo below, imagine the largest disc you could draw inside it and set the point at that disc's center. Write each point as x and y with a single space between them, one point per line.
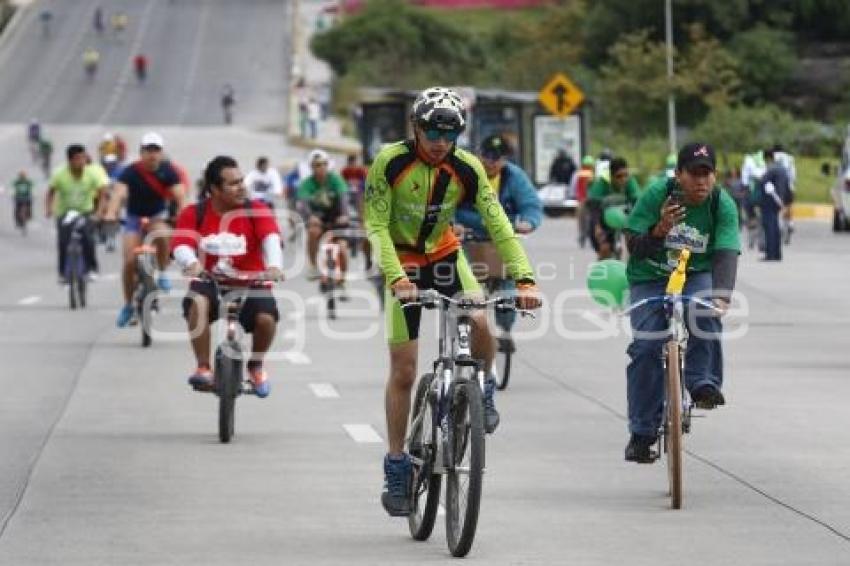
439 107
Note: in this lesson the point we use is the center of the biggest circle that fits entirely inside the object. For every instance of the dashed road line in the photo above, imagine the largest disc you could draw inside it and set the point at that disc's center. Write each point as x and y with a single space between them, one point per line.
324 391
363 434
297 358
31 300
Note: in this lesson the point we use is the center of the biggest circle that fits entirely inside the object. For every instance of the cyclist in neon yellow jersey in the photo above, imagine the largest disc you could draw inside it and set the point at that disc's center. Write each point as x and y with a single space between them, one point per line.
412 191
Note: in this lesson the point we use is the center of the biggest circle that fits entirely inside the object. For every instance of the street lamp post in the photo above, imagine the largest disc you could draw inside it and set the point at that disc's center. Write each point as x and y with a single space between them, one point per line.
671 100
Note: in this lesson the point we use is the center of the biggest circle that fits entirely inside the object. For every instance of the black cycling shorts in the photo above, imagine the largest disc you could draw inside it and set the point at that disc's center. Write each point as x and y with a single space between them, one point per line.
259 301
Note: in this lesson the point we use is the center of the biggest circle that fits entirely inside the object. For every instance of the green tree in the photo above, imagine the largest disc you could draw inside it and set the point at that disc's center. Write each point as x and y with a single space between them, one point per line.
707 73
393 43
633 88
744 129
527 53
766 60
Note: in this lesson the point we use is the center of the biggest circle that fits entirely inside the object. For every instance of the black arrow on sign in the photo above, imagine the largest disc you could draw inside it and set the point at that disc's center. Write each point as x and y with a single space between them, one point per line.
560 91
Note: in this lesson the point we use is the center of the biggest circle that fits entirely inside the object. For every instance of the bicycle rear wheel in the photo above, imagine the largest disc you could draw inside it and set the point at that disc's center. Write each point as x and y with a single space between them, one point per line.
228 383
673 424
148 286
466 470
421 445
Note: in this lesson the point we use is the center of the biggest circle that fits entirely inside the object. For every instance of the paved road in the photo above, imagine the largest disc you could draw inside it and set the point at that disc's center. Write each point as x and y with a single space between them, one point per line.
107 457
194 48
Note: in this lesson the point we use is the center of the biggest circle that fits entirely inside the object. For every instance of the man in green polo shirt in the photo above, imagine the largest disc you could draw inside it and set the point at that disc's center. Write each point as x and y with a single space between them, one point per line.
76 187
689 211
22 187
622 190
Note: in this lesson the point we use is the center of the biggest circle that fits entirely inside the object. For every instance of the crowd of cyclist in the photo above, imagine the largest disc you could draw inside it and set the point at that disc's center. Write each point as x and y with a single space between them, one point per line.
607 190
420 203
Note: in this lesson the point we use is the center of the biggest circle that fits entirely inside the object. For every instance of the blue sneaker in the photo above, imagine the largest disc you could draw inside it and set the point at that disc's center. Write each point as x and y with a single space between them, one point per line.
163 282
124 316
397 494
202 379
260 382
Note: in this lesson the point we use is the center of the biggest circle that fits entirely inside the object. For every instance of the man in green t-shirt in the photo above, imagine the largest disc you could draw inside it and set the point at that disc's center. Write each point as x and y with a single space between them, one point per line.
22 187
322 200
622 190
76 187
688 211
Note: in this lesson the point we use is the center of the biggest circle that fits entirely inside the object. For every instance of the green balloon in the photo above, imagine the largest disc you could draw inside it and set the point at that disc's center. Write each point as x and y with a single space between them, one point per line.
615 217
607 282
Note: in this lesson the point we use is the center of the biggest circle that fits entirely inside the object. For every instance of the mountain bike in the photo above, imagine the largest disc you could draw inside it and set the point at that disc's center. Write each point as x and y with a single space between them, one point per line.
447 425
333 263
145 262
677 406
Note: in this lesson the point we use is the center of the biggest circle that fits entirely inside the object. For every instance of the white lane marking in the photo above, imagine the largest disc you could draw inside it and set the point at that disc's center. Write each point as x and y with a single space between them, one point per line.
594 317
297 358
363 434
324 391
193 64
124 76
30 300
441 511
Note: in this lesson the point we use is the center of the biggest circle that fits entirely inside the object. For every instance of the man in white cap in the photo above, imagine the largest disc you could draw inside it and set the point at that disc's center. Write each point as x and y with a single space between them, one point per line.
147 184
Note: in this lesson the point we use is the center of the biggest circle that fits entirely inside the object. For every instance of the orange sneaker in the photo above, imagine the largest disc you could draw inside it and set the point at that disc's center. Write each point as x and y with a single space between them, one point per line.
260 381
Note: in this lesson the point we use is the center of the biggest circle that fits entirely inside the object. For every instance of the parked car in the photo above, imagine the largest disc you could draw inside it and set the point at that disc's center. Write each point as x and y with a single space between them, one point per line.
841 203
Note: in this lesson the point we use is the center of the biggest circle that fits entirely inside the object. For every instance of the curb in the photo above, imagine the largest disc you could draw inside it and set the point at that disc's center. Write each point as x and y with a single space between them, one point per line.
811 211
12 24
333 146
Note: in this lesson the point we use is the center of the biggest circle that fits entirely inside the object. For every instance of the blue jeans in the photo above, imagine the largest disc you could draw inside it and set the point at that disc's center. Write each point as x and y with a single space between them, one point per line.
645 372
772 233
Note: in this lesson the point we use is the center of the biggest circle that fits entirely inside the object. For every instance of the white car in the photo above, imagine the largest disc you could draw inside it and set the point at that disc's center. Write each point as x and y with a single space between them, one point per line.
841 204
558 199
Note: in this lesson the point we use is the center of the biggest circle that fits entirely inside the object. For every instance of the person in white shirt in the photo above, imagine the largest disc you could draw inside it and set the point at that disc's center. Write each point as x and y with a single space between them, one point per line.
264 182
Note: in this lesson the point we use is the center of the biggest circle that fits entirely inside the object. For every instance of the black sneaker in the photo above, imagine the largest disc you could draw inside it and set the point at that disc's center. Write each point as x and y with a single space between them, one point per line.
398 475
639 449
491 415
707 397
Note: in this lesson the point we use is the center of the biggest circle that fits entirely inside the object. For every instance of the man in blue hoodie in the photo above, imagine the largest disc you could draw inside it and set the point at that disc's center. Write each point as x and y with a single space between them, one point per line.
518 197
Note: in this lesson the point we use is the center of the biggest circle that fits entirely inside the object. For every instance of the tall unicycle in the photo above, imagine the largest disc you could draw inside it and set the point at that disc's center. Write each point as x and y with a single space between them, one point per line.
673 423
422 449
228 385
466 464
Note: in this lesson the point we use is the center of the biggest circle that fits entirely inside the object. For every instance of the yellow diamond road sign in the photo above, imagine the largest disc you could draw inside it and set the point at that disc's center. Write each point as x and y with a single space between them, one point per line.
560 96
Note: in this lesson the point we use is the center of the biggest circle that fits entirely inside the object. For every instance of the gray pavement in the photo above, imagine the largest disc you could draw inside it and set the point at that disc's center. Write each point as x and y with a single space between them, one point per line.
107 457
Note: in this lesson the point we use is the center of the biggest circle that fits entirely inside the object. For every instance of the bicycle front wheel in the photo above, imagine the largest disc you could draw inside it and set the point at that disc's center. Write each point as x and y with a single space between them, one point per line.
466 469
426 485
673 424
503 362
228 382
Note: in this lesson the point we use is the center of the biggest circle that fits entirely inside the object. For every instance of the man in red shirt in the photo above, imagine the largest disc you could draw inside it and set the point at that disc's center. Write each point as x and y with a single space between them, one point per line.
224 207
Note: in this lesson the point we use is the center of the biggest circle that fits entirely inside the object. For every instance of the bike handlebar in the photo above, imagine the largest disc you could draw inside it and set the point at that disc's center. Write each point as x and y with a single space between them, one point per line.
431 299
671 298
